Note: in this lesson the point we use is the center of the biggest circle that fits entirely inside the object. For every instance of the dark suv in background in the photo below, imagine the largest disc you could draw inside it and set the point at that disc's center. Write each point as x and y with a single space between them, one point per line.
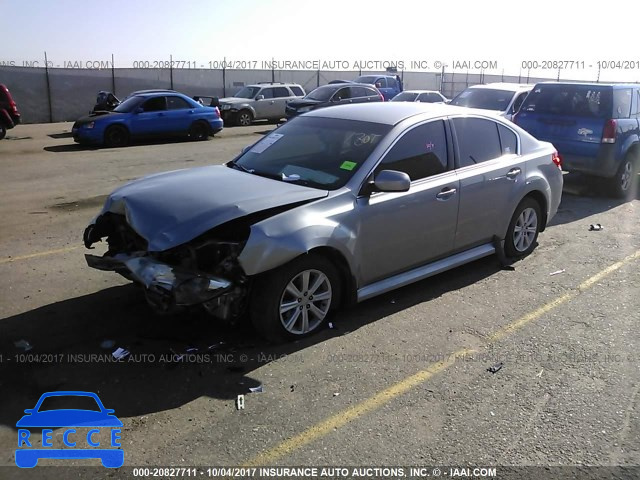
334 94
9 114
595 128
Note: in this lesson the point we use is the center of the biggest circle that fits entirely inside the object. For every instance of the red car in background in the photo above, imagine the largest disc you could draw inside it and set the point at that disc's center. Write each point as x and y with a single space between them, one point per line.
9 114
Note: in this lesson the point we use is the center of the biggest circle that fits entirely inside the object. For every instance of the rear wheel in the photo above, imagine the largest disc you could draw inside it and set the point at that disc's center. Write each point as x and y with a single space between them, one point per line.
523 230
3 132
625 183
244 118
199 131
294 300
116 136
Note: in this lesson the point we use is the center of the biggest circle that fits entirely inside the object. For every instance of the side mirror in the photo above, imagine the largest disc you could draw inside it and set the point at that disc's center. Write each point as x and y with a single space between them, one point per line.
215 102
391 181
260 97
29 411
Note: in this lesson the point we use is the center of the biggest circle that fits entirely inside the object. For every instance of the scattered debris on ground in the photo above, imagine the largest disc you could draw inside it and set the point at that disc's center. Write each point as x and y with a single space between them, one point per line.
557 272
595 227
495 368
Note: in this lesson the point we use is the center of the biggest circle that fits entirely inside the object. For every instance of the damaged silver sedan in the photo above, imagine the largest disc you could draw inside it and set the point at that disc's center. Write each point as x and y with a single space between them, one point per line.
333 207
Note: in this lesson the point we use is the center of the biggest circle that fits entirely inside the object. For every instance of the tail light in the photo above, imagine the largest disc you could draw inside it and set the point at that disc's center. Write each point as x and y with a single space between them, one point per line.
14 107
609 131
557 160
217 111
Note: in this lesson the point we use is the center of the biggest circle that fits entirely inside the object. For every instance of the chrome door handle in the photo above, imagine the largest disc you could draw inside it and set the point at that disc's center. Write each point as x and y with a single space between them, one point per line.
446 193
513 173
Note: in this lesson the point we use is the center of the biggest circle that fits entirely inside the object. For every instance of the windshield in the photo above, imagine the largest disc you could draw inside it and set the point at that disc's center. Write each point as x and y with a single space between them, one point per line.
317 152
570 100
128 105
322 93
404 97
485 98
247 92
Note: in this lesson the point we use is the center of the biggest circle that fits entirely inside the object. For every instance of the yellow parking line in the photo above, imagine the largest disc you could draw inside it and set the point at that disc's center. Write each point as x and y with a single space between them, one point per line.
343 417
39 254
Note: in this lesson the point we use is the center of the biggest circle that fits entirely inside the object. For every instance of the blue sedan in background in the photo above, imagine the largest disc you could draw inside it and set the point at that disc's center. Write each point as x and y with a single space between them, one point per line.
147 115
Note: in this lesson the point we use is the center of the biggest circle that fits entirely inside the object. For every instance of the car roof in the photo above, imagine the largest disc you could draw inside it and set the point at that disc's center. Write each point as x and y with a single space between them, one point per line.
420 91
589 84
514 87
273 84
392 113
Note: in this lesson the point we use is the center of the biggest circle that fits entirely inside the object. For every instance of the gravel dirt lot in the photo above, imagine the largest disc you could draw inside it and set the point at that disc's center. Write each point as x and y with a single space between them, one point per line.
401 380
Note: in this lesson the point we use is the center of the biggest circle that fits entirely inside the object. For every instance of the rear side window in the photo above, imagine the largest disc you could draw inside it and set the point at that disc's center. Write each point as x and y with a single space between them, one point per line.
622 102
371 92
177 103
420 153
508 140
478 140
429 98
297 91
359 92
570 100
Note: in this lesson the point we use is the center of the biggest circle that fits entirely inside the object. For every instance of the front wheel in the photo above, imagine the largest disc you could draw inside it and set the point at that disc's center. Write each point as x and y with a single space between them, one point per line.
523 230
244 118
116 136
625 183
294 300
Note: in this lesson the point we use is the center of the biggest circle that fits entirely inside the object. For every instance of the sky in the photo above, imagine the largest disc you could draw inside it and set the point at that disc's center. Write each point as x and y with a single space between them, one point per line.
508 36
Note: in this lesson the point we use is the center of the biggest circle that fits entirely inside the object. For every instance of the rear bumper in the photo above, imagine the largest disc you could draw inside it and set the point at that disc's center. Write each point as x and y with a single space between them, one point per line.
166 286
604 164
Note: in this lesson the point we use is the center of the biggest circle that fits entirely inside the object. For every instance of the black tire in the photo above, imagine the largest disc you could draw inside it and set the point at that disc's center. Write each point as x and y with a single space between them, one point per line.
199 131
625 183
116 136
270 292
3 132
519 243
244 118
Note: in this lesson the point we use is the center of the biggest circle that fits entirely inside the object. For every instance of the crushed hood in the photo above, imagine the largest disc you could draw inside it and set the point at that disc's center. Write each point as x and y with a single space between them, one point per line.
169 209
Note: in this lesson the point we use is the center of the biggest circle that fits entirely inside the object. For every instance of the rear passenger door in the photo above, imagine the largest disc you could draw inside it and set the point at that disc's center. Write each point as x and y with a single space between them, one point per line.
492 178
179 114
359 95
342 96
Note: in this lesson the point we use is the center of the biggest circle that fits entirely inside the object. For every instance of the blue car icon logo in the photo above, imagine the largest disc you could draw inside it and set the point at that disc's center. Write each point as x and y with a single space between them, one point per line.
99 423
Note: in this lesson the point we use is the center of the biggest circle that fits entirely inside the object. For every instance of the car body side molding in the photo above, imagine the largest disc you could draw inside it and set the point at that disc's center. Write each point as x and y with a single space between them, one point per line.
425 271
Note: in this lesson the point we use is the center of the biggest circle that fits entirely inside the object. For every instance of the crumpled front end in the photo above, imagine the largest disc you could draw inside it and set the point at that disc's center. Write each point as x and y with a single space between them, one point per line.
166 286
202 272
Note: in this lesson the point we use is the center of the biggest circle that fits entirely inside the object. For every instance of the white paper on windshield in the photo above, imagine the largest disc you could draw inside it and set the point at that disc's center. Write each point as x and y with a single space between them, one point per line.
266 142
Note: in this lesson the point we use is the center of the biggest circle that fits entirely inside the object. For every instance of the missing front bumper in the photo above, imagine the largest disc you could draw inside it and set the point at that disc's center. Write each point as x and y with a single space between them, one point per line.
166 286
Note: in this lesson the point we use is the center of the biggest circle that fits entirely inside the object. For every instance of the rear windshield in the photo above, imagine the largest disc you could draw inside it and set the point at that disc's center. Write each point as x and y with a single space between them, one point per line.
405 97
484 98
570 100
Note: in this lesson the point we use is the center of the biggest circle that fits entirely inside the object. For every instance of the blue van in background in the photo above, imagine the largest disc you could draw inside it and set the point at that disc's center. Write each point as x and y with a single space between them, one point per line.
388 85
595 128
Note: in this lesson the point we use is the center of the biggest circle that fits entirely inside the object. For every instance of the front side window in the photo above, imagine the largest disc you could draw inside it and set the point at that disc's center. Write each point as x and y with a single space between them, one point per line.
267 93
280 92
155 104
508 140
420 153
478 140
342 94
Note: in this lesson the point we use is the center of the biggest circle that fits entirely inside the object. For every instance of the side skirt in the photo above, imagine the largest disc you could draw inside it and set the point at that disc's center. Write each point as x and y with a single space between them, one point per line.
426 271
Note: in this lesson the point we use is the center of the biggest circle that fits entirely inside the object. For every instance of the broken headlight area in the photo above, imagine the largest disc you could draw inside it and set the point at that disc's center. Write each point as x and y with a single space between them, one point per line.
204 271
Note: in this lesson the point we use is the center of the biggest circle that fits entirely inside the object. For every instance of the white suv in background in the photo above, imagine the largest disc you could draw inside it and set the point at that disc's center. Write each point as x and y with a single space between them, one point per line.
261 101
504 98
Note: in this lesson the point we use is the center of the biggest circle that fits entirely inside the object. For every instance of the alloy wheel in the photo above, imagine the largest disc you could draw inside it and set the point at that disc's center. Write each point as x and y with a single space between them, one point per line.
525 229
305 302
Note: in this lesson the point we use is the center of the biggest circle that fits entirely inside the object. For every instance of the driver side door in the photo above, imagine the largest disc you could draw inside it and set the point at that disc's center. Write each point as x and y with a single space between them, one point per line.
399 231
152 120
